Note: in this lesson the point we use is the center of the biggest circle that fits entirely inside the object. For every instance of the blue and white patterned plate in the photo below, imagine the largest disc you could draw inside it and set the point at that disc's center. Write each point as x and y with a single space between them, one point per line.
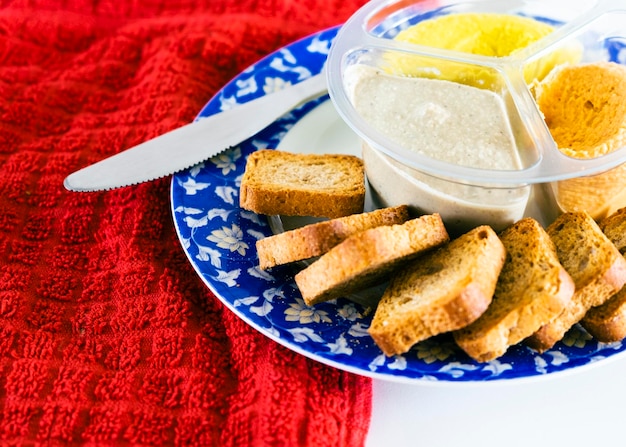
219 239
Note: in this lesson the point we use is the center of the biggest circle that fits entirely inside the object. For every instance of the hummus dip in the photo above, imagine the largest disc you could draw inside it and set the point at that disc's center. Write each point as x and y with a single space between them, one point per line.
444 120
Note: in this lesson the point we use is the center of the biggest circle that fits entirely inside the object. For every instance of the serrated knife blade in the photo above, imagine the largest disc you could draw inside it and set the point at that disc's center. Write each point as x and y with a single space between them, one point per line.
193 143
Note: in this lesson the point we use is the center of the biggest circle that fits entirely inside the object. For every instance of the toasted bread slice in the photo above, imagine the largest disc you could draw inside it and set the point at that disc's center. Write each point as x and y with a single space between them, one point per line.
441 291
316 239
368 257
532 289
607 322
614 226
594 263
318 185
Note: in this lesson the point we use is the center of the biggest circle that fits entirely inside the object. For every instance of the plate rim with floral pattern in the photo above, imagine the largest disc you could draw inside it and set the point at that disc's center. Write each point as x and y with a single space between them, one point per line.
219 238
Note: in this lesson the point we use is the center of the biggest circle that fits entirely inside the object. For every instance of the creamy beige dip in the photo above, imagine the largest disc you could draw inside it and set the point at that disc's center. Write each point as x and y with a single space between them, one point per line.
452 122
445 120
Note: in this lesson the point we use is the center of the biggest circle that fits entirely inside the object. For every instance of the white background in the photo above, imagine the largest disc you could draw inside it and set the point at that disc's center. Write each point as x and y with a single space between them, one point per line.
583 408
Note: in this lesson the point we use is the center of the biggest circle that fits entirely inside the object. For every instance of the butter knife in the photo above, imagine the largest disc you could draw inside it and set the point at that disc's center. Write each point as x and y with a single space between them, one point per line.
193 143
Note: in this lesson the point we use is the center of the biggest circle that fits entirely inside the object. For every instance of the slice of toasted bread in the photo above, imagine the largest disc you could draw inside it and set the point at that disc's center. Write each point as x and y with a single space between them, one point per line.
532 289
318 185
614 226
607 322
442 291
368 257
594 263
316 239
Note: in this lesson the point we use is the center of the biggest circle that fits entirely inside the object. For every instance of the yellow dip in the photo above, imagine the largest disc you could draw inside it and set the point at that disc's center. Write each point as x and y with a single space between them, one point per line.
486 34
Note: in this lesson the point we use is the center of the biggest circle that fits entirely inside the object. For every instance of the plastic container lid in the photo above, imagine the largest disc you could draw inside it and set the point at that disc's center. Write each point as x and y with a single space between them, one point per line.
597 28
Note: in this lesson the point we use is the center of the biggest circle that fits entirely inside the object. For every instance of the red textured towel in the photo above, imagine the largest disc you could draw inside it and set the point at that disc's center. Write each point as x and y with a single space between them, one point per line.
107 336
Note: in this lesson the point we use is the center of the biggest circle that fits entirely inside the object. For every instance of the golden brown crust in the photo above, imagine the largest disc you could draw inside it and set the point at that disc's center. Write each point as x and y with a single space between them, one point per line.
532 289
595 265
607 323
454 312
319 185
614 227
367 257
441 291
316 239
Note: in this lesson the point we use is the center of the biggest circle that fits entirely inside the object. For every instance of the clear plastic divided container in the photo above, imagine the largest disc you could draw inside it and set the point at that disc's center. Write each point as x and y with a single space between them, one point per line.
462 134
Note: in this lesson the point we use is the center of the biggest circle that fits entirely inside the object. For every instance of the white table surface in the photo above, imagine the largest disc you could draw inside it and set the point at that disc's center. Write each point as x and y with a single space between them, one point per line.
584 408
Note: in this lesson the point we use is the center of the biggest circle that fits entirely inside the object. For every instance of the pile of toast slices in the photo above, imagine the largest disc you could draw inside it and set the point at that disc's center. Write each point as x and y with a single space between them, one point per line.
526 284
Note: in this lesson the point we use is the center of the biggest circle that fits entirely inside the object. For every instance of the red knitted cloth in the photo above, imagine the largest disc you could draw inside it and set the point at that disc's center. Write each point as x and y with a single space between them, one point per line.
107 336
